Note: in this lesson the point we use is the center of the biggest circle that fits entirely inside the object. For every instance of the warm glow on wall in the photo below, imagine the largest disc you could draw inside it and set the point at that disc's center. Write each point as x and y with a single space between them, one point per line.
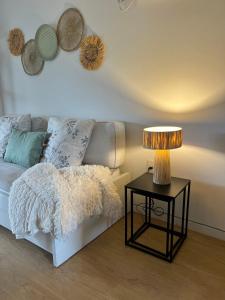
181 96
171 96
175 58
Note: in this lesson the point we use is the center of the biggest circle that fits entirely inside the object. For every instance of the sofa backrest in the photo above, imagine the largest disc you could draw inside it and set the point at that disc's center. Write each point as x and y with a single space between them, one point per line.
39 124
107 144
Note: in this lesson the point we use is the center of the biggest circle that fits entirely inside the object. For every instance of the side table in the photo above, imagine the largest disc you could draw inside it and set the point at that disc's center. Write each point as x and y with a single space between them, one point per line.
144 186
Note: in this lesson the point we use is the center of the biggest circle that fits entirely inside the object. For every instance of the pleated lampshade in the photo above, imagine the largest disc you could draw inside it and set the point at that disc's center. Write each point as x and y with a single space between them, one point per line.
162 138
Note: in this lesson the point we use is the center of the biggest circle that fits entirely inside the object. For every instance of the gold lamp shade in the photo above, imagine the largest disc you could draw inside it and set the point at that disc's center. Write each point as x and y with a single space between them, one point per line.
162 137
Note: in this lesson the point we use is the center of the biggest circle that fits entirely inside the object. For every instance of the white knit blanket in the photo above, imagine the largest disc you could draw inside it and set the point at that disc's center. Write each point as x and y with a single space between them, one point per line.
57 201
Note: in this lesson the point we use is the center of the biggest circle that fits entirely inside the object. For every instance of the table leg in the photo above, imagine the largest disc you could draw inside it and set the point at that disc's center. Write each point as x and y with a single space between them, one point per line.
172 230
149 210
132 213
187 209
168 229
183 210
125 215
146 209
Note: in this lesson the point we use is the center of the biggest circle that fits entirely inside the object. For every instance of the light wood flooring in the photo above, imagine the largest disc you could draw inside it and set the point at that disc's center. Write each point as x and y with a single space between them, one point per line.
106 269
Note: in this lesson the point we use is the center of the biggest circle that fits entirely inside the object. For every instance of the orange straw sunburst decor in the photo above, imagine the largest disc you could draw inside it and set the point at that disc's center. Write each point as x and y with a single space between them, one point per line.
16 41
92 51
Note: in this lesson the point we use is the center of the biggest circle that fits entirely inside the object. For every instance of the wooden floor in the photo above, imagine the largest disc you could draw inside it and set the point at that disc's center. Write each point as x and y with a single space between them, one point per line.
105 269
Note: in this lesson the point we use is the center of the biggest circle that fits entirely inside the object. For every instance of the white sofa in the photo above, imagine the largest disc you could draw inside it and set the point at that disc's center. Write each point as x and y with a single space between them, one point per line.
107 147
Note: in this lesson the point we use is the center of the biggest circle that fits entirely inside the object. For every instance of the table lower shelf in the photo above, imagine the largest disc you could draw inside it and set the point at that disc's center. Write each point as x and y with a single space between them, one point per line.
169 256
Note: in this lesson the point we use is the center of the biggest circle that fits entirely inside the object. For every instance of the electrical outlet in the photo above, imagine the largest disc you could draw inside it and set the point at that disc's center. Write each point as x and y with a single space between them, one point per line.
149 164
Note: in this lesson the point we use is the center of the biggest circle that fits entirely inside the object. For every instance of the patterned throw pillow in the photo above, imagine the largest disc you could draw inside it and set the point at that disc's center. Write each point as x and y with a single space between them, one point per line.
7 123
68 142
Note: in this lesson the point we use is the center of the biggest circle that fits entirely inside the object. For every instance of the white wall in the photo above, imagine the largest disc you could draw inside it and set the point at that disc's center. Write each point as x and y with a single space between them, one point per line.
164 65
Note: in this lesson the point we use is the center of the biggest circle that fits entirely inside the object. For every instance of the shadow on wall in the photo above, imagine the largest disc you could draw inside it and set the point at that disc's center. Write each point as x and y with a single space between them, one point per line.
212 108
201 158
1 91
203 135
212 112
209 208
6 79
178 62
203 161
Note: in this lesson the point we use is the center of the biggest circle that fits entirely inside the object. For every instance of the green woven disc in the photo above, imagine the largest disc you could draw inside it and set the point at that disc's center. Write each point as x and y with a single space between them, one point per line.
46 41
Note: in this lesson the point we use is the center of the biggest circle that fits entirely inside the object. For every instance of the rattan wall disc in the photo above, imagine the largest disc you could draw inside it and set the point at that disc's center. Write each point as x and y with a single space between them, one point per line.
70 29
92 52
31 59
16 41
46 41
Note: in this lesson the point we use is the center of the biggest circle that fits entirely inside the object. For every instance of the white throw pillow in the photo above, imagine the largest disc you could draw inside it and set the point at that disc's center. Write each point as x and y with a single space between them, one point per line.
7 123
68 142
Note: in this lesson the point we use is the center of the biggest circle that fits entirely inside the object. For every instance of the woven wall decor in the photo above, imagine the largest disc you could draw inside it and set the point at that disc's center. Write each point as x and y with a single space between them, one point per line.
92 51
31 59
125 4
70 29
16 41
46 41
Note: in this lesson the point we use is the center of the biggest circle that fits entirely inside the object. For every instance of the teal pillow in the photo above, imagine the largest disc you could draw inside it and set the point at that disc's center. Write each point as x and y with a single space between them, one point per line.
25 148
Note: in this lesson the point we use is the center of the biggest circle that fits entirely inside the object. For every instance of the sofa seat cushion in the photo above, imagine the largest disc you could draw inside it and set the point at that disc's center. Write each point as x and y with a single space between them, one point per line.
8 174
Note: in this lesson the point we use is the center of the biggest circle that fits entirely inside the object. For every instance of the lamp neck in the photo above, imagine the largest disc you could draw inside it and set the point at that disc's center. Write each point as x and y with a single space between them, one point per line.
162 167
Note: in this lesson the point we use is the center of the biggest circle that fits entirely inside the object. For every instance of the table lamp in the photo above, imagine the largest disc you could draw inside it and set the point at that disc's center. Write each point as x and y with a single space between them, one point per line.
162 139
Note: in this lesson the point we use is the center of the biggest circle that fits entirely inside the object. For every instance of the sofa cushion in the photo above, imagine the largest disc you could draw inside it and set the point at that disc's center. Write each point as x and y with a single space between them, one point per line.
25 147
21 122
8 174
107 145
68 142
39 124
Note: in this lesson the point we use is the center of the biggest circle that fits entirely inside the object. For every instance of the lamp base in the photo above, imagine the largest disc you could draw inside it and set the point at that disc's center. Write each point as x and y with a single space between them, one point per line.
161 173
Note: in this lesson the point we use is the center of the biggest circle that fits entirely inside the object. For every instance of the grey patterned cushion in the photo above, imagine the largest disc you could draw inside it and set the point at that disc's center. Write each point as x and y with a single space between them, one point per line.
21 122
39 124
68 142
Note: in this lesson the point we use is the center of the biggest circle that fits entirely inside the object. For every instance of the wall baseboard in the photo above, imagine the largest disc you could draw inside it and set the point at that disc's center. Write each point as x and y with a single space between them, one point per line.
198 227
207 230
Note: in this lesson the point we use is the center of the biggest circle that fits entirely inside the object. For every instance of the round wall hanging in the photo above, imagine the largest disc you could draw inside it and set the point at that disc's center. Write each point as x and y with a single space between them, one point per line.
16 41
70 29
46 41
31 59
92 52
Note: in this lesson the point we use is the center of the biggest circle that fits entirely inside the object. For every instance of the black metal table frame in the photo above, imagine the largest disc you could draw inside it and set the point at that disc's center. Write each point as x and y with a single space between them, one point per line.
171 247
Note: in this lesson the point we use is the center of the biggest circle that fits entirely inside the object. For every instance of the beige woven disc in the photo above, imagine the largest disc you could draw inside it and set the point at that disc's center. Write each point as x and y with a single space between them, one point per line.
92 51
16 41
31 59
70 29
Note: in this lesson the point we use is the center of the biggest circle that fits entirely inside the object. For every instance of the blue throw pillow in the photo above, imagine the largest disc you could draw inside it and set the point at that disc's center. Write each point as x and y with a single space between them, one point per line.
25 148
